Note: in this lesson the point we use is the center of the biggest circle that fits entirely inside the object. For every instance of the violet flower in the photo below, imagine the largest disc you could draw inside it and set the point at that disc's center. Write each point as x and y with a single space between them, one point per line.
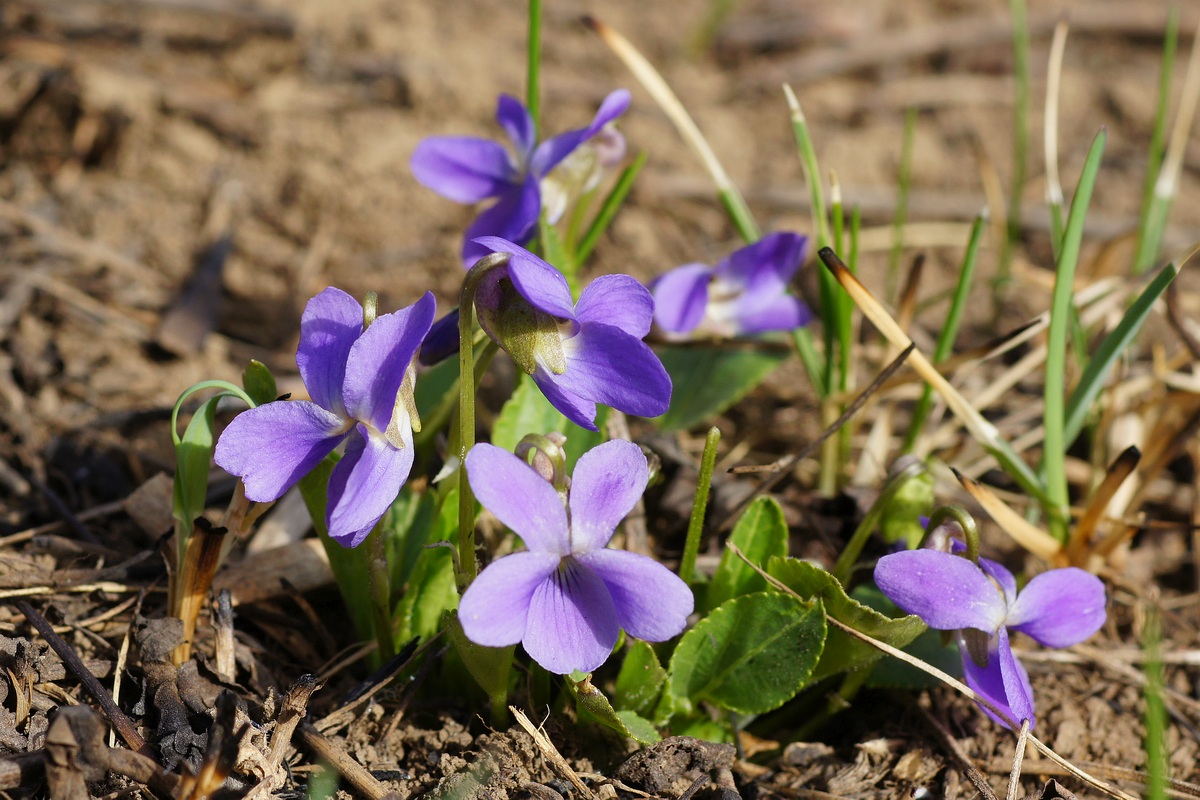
1057 608
744 294
568 595
361 384
579 354
468 169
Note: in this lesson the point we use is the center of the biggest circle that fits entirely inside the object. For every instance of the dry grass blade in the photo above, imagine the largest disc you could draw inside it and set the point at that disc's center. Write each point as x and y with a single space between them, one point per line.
1033 539
552 755
1118 471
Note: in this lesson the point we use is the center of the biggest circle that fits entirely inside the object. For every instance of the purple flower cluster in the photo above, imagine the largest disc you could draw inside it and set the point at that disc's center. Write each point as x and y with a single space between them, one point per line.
468 169
1057 608
567 597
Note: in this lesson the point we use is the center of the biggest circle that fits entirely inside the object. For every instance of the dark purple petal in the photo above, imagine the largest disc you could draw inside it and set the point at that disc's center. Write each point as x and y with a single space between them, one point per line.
465 169
442 340
572 623
514 118
1060 607
999 573
331 323
378 360
578 409
680 297
520 498
779 313
947 591
765 266
274 445
513 217
1003 681
550 152
652 602
617 300
365 483
607 365
605 486
494 608
541 284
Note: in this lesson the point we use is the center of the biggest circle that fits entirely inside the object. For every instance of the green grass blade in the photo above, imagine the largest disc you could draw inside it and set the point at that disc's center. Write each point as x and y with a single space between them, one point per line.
812 173
904 185
691 548
1147 249
609 208
1101 364
1156 710
533 94
811 359
1055 450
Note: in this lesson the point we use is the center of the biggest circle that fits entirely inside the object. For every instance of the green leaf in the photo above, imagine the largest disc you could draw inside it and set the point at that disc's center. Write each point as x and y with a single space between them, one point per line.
760 534
489 666
259 383
640 681
842 651
429 582
750 655
528 411
193 458
707 381
592 702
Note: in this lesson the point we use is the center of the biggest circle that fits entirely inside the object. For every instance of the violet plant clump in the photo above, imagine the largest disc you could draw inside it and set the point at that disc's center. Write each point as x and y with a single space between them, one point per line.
523 182
1058 608
744 294
360 378
578 354
567 597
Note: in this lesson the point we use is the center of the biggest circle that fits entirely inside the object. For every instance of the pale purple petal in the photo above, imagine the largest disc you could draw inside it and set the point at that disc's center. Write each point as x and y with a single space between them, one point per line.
552 151
652 602
494 608
999 573
365 483
377 361
780 313
578 409
516 122
680 297
465 169
331 323
541 284
947 591
272 446
572 623
513 217
605 486
607 365
520 498
617 300
1003 681
765 266
1060 607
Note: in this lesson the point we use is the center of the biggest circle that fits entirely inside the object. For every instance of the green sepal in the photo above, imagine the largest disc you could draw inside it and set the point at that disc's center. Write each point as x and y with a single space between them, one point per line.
591 702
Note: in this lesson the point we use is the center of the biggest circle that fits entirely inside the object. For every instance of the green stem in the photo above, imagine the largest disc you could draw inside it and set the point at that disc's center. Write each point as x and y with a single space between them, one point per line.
1148 239
533 74
802 339
965 522
381 591
691 548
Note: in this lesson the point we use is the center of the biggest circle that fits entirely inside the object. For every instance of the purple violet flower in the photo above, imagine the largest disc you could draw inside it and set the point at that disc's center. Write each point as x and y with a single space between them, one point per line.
468 169
579 354
361 384
744 294
568 595
1057 608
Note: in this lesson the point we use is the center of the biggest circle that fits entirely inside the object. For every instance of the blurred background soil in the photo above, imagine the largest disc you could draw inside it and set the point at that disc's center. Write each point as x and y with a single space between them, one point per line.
243 155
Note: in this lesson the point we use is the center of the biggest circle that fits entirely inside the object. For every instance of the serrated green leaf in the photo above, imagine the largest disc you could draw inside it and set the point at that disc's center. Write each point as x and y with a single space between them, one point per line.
259 383
592 702
640 681
842 651
707 381
761 533
751 655
528 411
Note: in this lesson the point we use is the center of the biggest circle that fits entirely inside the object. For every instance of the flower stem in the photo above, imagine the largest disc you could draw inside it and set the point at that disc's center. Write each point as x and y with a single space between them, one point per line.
687 564
381 592
959 516
534 62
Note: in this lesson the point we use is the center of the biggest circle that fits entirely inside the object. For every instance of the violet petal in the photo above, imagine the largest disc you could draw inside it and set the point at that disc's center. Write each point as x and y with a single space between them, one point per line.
276 444
520 498
681 296
365 483
1003 681
779 313
572 622
537 281
766 265
1060 607
377 362
652 602
465 169
947 591
494 608
513 217
607 365
1001 575
579 410
513 117
617 300
607 482
331 323
552 151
